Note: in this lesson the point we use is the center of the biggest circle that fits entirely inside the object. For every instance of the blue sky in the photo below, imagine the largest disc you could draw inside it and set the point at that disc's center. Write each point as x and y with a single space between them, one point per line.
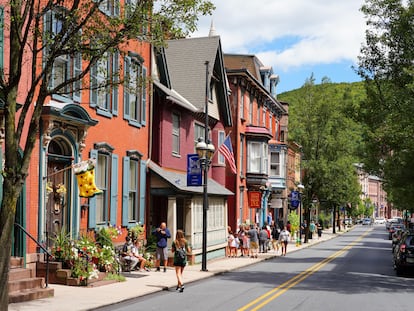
296 38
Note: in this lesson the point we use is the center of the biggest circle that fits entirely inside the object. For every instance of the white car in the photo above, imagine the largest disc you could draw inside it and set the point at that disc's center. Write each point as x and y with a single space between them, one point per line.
379 221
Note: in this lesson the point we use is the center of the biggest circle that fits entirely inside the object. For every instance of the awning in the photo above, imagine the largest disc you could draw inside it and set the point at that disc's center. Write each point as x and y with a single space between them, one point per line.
175 97
179 182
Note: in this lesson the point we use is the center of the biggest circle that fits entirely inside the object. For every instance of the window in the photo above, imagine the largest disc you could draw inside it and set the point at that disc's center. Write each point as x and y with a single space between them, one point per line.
198 132
221 137
274 164
65 67
258 116
242 104
251 110
110 7
270 124
135 91
264 117
103 207
241 154
133 189
175 133
104 88
257 159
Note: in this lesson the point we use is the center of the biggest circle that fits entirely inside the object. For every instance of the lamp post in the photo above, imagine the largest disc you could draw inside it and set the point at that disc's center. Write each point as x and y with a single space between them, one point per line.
300 188
205 150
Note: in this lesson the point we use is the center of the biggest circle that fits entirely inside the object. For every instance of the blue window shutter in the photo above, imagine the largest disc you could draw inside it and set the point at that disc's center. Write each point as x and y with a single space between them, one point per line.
127 68
144 96
93 92
92 201
142 191
125 191
114 190
115 71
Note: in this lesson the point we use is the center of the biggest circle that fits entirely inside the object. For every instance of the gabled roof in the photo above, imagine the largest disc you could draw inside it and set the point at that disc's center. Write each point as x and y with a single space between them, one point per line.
186 63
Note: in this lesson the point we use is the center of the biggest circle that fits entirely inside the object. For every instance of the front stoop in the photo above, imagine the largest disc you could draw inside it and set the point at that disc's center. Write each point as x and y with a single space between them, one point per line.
58 275
23 286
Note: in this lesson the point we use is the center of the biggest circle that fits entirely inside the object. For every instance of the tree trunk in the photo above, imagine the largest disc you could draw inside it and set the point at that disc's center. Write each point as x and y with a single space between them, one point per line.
8 210
7 216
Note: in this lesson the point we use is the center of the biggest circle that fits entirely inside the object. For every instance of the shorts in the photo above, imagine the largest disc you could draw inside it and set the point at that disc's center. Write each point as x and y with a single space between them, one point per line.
254 245
162 253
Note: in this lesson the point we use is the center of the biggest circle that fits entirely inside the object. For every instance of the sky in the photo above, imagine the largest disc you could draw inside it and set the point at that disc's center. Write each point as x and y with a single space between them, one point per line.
297 38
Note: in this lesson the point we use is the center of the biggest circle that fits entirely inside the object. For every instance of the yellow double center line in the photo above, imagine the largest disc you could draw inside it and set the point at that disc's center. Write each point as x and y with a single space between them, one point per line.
263 300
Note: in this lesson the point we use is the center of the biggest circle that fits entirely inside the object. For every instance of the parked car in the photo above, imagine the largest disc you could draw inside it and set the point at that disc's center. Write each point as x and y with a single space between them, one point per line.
366 221
389 222
404 253
379 221
348 221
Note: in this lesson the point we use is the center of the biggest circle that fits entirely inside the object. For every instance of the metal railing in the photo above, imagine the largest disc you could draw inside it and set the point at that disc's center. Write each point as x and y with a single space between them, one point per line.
42 247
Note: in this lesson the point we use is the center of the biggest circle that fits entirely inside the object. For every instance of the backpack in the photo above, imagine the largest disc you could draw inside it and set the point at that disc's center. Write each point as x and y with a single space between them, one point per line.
181 253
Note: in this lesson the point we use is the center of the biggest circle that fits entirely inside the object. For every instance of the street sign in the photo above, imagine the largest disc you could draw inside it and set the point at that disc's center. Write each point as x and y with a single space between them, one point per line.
194 176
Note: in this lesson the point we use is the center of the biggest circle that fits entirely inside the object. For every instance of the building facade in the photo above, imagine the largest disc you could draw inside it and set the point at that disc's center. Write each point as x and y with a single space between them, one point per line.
259 137
190 77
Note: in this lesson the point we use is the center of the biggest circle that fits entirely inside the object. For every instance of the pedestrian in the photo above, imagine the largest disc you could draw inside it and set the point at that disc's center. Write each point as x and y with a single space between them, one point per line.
312 230
180 248
319 228
263 238
162 233
232 244
275 238
128 260
269 218
141 260
284 238
246 242
254 241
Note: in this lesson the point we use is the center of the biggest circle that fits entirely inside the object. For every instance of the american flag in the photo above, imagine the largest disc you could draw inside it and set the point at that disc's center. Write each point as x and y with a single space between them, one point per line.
227 151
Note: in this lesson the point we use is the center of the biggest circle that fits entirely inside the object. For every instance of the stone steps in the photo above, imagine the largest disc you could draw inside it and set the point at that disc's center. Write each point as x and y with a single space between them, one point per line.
23 285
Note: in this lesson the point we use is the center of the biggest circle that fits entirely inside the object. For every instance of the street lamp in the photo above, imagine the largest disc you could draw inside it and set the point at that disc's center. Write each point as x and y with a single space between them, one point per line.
205 150
300 188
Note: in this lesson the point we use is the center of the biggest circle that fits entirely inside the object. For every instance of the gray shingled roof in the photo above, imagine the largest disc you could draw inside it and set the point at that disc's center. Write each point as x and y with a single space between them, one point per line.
186 65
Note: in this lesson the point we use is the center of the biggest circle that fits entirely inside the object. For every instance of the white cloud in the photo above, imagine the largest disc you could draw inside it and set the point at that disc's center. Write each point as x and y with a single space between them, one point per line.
289 34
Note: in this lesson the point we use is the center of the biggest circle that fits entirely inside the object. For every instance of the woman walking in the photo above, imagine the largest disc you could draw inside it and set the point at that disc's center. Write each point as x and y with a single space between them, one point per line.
284 238
180 248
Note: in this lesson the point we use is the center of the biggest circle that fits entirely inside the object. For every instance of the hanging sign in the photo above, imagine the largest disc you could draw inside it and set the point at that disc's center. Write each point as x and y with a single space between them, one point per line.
194 176
255 199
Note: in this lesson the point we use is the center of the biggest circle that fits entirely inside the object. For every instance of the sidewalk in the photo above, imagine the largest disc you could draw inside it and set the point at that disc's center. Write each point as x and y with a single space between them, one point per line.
72 298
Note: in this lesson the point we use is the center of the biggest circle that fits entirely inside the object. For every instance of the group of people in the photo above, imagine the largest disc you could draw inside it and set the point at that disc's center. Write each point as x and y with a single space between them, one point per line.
180 247
251 240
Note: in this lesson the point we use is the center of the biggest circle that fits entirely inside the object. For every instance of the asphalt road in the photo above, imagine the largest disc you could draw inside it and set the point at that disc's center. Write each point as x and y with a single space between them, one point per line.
351 272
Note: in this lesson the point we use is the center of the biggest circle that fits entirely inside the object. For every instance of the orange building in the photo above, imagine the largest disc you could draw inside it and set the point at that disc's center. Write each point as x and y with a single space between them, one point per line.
107 124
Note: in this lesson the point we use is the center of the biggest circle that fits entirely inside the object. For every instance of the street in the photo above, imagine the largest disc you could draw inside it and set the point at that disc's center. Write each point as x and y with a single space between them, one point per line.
352 271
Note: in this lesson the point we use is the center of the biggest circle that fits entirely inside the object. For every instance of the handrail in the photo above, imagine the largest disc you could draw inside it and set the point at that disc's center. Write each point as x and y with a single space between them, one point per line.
42 247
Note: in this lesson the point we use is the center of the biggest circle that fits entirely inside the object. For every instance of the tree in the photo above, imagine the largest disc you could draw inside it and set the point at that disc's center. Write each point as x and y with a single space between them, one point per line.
386 63
39 32
318 121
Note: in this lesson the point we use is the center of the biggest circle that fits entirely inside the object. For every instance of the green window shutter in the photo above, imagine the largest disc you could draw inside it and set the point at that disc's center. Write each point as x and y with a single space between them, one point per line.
125 190
92 201
142 191
144 97
114 190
